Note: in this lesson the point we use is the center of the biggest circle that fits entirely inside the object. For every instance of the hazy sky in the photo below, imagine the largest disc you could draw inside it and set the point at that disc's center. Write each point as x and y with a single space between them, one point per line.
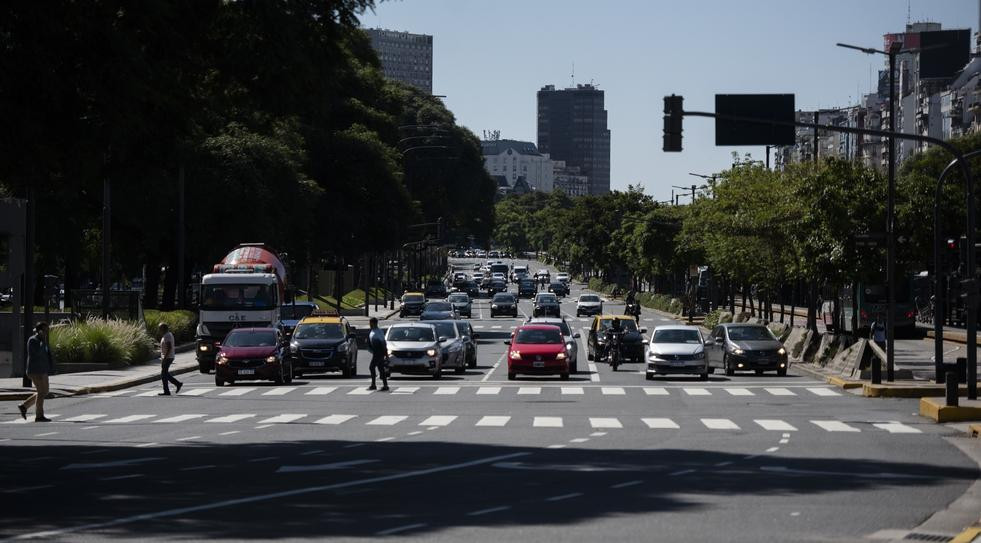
490 58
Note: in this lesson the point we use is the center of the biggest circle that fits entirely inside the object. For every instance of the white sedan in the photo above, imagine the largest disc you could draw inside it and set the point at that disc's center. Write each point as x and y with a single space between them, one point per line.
677 349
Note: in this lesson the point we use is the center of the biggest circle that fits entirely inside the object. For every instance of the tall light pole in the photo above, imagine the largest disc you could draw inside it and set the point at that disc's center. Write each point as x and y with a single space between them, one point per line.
895 48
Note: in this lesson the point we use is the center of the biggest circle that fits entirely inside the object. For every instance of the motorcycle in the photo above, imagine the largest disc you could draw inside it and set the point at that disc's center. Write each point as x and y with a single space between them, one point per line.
613 350
633 309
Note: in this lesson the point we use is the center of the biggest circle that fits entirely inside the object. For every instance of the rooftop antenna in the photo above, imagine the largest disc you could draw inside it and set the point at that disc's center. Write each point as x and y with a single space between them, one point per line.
573 76
907 13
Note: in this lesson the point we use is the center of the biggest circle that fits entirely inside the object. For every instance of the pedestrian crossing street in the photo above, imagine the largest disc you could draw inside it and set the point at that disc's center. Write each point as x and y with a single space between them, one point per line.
495 390
497 421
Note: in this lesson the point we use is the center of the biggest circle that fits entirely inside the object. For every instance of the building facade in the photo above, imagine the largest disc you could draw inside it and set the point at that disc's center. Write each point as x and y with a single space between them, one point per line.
570 180
405 57
572 127
516 161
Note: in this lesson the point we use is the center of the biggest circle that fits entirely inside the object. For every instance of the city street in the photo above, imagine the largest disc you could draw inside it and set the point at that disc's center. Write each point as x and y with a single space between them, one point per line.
604 455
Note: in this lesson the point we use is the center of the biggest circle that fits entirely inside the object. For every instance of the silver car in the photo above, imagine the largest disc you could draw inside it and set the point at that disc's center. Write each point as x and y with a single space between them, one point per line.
589 304
413 348
677 349
571 339
452 344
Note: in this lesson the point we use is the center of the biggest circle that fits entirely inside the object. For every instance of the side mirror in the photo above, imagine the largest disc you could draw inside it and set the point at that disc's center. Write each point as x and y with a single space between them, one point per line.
709 342
443 338
643 330
475 335
577 335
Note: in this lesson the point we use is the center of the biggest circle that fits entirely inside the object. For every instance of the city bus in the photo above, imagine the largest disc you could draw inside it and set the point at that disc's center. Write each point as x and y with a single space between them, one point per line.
872 303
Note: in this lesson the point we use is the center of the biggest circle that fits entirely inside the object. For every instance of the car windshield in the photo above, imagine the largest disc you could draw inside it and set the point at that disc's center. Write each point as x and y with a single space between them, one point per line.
676 336
265 338
439 306
750 333
463 328
589 298
527 283
295 312
445 329
413 298
413 333
463 298
627 325
547 299
238 296
538 336
319 331
502 299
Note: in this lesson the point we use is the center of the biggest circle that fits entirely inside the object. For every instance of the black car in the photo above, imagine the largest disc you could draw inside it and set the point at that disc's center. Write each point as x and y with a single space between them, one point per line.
461 304
412 304
631 342
546 304
322 344
471 288
438 311
496 286
527 288
559 288
741 347
504 303
435 289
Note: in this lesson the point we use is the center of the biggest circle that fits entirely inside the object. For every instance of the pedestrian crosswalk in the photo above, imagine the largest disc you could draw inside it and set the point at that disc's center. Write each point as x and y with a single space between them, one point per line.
544 422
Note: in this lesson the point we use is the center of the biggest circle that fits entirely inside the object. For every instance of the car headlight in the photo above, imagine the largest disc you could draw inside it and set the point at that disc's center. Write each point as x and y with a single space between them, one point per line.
738 351
222 359
390 352
570 346
493 306
782 351
204 347
515 355
342 348
294 347
203 330
560 356
271 360
431 352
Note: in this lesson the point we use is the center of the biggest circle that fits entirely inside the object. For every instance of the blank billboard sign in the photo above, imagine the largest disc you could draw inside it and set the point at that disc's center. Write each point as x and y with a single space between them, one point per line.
765 107
943 53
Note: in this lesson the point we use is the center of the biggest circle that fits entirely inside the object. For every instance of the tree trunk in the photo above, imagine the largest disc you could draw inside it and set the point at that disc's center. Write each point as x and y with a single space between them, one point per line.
812 290
152 287
169 289
793 301
782 290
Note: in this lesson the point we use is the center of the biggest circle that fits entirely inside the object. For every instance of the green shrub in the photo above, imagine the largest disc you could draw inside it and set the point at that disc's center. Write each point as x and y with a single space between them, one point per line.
712 319
182 323
101 341
596 284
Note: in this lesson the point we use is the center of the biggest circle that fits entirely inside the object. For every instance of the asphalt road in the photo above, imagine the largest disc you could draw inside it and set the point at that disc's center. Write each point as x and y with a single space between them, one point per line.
603 455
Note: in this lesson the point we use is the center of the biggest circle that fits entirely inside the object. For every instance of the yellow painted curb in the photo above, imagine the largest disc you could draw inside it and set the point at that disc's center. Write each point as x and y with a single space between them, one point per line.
974 430
935 409
968 535
844 383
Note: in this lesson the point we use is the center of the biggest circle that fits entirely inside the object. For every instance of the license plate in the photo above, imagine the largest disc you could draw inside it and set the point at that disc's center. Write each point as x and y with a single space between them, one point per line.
246 372
538 364
677 363
316 364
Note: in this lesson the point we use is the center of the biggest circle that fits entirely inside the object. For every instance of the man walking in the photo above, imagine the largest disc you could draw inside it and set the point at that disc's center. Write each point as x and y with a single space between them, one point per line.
379 354
39 366
166 359
877 332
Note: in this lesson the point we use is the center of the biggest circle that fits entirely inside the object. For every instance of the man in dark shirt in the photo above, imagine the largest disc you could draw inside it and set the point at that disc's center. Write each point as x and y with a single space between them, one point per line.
379 354
40 365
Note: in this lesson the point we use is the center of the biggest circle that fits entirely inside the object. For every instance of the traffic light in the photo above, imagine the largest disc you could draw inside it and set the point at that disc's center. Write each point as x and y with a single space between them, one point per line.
672 123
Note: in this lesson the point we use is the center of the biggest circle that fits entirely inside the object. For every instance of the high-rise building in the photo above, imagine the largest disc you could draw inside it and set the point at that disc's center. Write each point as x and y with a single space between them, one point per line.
572 128
405 57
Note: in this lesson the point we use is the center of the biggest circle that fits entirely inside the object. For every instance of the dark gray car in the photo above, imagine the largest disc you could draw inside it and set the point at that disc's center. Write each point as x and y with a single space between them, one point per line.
469 341
742 347
461 304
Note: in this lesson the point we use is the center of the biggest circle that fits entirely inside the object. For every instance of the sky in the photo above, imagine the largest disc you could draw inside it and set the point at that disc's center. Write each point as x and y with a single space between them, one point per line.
490 59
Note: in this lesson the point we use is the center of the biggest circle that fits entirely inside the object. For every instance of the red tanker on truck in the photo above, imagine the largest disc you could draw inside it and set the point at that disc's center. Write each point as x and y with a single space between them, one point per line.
245 290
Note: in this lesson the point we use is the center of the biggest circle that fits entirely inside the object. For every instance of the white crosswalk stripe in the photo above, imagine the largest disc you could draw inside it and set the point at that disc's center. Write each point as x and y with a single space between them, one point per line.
491 420
720 424
83 418
179 418
612 391
547 422
334 419
282 419
696 391
196 391
387 420
834 426
739 392
238 391
567 391
775 425
489 390
529 390
153 392
321 391
446 391
25 421
405 390
279 391
113 393
655 391
601 422
438 420
360 391
778 391
660 423
231 418
895 427
129 418
823 392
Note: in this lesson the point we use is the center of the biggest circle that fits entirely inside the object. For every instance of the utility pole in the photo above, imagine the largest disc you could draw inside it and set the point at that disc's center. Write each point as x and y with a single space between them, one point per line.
106 239
890 226
27 296
181 287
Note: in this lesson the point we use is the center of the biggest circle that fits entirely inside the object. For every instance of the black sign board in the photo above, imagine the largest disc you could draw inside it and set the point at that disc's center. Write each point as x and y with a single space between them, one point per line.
766 107
943 53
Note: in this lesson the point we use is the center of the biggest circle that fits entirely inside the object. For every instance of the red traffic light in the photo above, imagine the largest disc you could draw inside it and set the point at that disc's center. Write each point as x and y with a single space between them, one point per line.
951 243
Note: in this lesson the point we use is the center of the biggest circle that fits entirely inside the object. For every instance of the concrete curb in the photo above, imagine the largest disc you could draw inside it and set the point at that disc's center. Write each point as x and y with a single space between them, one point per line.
935 408
907 391
968 535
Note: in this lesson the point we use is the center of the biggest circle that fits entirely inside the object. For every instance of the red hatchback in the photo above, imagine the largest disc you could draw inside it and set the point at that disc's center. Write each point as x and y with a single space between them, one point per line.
249 354
537 349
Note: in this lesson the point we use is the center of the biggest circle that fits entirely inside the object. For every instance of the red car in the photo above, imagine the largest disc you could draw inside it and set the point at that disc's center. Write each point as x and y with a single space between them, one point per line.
249 354
537 349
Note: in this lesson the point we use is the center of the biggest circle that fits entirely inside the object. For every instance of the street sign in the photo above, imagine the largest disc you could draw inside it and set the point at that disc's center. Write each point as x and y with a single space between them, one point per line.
870 241
766 107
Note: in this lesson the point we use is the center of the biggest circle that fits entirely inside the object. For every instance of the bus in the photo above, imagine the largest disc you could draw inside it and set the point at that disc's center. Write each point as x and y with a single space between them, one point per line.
872 303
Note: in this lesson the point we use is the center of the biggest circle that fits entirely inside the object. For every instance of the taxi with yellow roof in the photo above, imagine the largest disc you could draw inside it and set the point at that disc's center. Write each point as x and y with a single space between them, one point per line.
324 342
632 343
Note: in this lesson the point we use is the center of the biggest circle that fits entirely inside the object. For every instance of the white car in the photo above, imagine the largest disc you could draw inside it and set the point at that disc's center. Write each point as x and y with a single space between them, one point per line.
562 277
589 304
498 276
677 350
478 276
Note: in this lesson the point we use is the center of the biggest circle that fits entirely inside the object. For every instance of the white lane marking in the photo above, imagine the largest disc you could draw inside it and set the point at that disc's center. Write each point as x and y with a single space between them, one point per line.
111 394
784 441
43 434
325 467
231 418
660 423
405 390
179 418
784 435
564 497
335 419
446 391
83 418
579 440
438 420
682 472
387 420
655 391
529 390
417 432
495 327
739 392
696 391
720 424
834 426
778 391
25 489
571 390
493 368
129 418
823 391
399 529
360 391
279 391
896 427
556 446
238 391
627 483
491 420
773 449
196 468
382 440
489 390
321 391
189 438
605 422
263 426
547 422
488 511
284 418
593 372
196 392
230 432
612 391
775 425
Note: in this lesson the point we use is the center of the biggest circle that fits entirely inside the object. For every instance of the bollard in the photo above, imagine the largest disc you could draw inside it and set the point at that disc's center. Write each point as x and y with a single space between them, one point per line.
951 389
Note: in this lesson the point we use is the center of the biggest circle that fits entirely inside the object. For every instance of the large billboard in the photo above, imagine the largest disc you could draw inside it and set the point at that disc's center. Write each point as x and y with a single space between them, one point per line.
767 108
943 53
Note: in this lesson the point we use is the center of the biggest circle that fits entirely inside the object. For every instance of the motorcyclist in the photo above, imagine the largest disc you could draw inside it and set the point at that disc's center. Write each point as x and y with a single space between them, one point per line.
632 307
612 335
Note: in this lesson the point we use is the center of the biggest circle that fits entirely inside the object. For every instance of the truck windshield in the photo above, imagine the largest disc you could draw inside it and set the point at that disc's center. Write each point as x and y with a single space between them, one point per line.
232 296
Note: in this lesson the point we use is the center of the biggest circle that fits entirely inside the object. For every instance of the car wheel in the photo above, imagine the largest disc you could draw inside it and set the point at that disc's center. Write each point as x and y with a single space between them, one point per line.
219 382
574 368
346 371
460 368
473 361
589 355
203 369
649 376
711 370
512 376
730 371
782 372
565 376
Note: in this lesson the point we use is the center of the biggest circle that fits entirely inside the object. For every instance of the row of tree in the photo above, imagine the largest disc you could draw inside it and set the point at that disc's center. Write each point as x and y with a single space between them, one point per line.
780 234
276 113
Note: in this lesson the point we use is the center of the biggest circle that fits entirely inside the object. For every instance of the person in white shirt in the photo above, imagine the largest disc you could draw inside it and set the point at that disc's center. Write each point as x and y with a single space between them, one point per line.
166 359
